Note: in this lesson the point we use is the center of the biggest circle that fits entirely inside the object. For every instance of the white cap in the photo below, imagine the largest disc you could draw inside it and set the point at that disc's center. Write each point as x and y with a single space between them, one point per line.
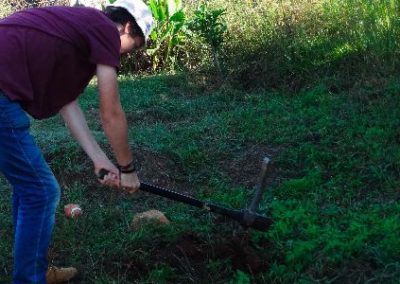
140 11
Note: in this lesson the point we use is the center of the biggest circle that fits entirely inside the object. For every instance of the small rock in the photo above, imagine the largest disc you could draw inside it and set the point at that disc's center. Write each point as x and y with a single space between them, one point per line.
60 274
152 215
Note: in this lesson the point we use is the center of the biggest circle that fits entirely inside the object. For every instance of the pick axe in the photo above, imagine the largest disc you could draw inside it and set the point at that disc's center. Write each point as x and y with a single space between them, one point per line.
248 217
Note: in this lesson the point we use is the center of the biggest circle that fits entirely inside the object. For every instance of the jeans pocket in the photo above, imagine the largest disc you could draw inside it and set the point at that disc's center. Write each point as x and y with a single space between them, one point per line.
11 114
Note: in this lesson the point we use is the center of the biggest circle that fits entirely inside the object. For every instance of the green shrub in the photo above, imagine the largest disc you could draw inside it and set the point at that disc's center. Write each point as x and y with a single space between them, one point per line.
168 32
209 26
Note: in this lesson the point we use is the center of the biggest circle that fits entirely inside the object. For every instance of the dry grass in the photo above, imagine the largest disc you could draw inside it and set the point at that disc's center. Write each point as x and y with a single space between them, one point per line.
22 4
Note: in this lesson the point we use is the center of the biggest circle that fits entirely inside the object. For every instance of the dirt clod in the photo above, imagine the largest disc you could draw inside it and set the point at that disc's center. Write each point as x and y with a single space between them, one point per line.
149 216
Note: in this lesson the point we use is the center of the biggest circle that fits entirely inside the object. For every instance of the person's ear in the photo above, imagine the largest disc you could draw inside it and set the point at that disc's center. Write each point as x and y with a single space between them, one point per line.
127 28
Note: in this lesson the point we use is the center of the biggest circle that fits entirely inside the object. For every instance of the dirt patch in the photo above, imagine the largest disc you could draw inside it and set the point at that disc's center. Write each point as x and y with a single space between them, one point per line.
245 168
153 168
159 170
163 171
190 255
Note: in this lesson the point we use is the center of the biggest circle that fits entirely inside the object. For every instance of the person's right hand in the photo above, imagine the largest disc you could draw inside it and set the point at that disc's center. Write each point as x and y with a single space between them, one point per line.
130 182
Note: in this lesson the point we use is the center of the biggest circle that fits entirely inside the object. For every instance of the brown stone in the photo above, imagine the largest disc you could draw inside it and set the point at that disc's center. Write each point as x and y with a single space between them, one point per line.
154 216
60 274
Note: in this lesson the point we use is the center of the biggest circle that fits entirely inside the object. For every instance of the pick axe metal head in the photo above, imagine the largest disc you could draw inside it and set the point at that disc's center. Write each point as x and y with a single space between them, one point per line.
250 217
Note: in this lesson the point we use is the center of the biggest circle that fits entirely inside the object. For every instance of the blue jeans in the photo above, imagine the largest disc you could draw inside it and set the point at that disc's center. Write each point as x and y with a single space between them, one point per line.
36 193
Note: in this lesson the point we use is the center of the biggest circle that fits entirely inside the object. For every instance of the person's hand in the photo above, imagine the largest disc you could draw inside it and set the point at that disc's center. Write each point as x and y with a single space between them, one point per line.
112 177
130 182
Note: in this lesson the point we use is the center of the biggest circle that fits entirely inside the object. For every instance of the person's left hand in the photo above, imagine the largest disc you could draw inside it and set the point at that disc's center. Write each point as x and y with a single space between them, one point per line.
112 176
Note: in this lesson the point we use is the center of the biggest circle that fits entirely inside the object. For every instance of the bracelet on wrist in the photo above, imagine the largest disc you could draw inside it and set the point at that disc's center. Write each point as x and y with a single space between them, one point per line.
128 171
129 168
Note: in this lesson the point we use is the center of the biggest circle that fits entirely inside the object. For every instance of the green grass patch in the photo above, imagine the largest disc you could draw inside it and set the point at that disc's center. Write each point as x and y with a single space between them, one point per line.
332 191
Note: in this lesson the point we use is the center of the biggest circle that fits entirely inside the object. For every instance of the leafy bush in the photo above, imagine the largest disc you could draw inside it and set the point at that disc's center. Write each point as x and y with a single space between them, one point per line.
209 26
168 32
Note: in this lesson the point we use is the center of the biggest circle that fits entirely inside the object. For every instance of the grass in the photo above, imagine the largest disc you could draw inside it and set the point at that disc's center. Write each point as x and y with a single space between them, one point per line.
332 191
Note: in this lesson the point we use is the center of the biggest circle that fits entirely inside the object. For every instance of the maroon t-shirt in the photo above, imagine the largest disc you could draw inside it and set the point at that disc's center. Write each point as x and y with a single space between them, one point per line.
48 55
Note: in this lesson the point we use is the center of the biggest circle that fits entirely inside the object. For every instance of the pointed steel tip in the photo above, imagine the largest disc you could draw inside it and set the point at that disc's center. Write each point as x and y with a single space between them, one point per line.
266 160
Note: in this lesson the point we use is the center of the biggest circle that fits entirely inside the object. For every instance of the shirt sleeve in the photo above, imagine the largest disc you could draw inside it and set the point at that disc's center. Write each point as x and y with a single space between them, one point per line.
104 45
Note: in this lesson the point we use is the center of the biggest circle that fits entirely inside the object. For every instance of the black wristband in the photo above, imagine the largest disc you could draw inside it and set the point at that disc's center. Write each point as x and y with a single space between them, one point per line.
129 168
128 171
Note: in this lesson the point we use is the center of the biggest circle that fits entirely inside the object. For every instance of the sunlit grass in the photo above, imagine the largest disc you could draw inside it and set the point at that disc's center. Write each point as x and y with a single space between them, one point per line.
296 42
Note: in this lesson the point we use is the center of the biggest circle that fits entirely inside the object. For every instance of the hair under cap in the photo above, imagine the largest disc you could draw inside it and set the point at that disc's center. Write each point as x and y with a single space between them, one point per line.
140 11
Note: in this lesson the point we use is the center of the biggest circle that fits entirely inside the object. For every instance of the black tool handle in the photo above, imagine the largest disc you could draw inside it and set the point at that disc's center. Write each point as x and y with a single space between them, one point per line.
258 222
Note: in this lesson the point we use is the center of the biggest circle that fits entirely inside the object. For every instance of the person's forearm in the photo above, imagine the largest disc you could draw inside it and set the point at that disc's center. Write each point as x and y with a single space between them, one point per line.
112 115
115 124
77 125
116 129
